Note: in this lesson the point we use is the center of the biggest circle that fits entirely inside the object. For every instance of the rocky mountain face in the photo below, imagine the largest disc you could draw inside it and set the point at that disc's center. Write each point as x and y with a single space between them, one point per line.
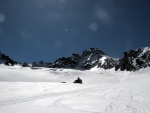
132 60
6 60
87 60
42 64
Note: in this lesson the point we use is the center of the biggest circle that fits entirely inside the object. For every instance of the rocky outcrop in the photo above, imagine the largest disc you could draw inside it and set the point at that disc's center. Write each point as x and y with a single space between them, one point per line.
6 60
78 81
87 60
25 64
134 60
42 64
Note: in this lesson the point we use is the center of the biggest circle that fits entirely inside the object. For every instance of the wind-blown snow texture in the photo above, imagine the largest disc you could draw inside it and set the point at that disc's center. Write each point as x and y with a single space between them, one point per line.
26 90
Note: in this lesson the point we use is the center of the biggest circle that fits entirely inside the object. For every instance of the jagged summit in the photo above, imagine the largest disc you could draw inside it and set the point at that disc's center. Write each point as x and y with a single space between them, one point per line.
6 60
135 59
132 60
87 60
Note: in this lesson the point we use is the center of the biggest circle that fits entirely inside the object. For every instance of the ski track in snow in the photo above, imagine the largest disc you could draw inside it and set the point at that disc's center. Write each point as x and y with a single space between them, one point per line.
18 100
125 93
122 103
59 104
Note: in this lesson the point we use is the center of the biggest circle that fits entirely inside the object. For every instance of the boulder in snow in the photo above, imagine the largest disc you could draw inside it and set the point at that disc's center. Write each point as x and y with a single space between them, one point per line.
78 81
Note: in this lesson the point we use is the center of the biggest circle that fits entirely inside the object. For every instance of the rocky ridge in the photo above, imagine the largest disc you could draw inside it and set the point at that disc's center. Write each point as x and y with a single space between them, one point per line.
87 60
132 60
6 60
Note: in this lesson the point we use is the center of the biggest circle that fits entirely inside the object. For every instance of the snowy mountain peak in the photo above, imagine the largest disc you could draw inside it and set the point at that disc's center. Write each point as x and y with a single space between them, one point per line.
87 60
6 60
144 51
93 58
93 51
135 59
132 60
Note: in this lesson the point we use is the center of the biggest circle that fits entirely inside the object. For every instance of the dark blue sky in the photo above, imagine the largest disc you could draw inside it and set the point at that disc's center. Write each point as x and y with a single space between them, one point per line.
35 30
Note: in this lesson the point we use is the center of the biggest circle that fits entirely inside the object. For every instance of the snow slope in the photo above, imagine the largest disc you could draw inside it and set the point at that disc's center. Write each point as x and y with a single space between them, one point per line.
25 90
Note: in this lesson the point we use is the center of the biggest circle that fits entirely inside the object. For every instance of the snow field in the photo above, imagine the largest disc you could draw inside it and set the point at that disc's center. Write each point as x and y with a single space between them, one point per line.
23 90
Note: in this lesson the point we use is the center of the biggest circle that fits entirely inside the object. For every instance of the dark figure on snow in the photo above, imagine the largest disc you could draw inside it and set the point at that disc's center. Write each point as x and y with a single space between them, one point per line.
78 81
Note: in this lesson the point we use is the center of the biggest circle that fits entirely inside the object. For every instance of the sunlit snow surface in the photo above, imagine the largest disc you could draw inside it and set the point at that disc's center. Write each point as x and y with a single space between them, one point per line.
25 90
144 50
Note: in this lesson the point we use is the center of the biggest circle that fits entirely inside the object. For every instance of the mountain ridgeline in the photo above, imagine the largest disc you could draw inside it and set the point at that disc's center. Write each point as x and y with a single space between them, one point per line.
6 60
87 60
132 60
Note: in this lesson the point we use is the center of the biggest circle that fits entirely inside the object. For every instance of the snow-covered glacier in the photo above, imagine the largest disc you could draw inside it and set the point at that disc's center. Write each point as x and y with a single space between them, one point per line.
26 90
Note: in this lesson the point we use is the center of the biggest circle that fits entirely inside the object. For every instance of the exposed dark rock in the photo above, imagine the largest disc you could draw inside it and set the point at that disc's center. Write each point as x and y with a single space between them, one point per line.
25 64
87 60
78 81
42 64
109 63
63 82
6 60
134 60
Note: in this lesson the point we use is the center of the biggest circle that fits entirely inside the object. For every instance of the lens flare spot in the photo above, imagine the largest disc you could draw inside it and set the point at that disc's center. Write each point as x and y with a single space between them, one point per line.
2 18
93 26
